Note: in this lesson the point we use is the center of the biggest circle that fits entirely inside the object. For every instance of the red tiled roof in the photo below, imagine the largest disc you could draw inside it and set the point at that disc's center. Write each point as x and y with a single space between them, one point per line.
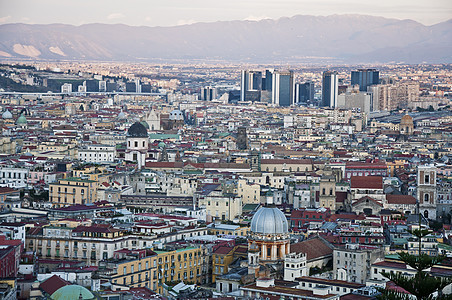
286 161
52 284
7 190
164 164
365 165
400 199
367 198
391 264
341 196
102 228
366 182
223 250
314 248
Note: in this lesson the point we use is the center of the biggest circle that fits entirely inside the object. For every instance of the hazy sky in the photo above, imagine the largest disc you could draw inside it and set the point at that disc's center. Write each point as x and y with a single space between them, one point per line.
177 12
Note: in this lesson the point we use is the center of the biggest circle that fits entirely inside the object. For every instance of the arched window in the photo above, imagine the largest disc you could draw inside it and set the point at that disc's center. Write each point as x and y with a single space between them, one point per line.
426 198
323 191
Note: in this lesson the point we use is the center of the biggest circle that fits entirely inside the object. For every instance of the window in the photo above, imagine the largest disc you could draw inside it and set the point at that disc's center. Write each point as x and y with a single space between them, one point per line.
427 179
426 197
124 271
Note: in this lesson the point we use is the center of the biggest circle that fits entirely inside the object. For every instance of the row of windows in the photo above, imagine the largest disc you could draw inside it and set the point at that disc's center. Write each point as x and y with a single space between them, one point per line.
95 155
14 175
136 144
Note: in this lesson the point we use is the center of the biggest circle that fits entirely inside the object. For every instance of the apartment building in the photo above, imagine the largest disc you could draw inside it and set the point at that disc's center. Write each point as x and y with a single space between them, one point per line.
71 191
353 263
92 244
97 153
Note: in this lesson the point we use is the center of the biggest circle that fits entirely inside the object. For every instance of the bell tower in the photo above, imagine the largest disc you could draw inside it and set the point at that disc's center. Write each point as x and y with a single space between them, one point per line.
253 259
242 139
426 191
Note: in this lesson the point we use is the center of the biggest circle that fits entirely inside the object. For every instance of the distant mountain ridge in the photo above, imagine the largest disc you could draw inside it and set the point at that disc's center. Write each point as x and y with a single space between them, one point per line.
302 38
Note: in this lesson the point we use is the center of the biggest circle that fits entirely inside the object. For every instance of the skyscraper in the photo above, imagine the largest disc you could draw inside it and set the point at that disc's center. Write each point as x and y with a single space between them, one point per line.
268 80
365 78
282 88
329 89
304 92
208 93
250 81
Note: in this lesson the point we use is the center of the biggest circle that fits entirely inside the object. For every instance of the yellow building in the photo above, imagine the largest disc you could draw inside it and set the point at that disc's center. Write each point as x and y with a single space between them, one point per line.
71 191
98 174
226 229
249 192
394 165
327 195
226 207
186 264
134 268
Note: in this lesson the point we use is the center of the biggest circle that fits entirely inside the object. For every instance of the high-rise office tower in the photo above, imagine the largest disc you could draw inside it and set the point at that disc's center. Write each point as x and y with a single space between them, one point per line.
304 92
137 85
268 80
282 88
250 81
329 89
102 86
365 78
208 93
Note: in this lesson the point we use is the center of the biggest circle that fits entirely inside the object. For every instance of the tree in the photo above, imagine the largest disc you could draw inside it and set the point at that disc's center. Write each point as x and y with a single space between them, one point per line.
422 285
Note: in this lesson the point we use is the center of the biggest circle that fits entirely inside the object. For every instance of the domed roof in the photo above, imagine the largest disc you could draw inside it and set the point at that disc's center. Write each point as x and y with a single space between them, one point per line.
121 115
269 220
145 124
137 130
21 120
406 119
176 115
72 292
7 115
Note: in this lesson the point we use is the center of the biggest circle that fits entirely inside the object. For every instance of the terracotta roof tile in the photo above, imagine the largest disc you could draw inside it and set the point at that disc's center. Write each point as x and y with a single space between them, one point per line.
400 199
366 182
52 284
314 248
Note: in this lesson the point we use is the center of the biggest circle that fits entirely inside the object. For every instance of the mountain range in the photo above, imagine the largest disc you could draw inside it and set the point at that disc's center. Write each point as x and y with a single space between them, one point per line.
298 39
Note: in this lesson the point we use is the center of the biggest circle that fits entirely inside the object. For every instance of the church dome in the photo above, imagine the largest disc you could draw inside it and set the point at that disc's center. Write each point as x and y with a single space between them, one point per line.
7 115
269 220
137 130
176 115
121 115
145 124
406 119
72 292
21 120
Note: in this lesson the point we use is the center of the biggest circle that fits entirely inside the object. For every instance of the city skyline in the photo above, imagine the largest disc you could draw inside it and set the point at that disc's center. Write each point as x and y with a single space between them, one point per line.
173 13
